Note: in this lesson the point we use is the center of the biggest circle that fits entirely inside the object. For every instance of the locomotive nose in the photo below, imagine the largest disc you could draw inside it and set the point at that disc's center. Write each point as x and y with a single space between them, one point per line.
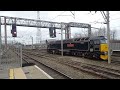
104 49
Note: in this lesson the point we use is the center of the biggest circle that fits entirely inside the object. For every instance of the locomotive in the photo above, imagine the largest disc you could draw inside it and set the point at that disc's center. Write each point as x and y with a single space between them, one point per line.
89 47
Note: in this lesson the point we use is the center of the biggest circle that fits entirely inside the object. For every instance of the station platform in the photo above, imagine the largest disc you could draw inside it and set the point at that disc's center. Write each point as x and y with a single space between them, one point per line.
28 72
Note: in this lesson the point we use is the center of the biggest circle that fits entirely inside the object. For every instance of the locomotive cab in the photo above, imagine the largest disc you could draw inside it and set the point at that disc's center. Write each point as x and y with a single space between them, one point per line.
100 47
103 49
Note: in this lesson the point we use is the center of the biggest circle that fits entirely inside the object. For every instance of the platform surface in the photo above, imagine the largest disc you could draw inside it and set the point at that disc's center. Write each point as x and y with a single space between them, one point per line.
4 74
34 72
28 72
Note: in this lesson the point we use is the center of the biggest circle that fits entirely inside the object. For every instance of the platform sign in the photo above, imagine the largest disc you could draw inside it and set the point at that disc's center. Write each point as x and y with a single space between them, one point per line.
70 45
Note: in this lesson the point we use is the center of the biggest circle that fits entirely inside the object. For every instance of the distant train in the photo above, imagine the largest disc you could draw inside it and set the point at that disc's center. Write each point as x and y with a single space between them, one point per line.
89 47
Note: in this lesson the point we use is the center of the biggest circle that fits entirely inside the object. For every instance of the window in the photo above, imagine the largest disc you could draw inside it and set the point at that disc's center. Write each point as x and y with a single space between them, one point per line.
91 42
103 41
96 42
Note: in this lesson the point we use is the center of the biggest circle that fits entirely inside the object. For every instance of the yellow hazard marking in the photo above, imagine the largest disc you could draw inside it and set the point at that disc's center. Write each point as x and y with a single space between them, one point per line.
104 48
11 74
104 57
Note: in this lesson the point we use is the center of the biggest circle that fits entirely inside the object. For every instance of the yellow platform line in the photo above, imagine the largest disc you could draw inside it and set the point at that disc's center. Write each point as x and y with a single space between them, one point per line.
11 74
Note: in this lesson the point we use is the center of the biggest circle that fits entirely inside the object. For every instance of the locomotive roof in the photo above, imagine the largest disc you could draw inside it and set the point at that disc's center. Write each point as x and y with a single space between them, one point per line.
88 38
80 39
97 37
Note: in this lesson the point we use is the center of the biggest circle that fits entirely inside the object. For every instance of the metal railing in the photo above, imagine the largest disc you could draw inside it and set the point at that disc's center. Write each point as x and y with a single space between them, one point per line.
11 57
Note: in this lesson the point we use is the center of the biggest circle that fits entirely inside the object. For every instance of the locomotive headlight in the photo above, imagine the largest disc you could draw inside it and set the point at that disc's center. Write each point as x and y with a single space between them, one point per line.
105 53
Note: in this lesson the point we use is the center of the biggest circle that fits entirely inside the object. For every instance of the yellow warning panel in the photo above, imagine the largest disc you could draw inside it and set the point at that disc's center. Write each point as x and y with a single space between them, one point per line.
11 74
103 47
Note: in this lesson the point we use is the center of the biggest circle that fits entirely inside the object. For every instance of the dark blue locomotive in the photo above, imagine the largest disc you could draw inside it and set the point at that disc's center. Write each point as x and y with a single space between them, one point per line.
91 47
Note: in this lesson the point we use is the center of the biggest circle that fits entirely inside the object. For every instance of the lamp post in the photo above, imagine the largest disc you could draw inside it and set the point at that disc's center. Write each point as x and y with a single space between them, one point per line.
108 37
61 40
32 41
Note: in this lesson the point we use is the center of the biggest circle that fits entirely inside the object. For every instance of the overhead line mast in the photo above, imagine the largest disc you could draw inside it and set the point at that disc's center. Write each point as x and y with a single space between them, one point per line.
38 38
107 21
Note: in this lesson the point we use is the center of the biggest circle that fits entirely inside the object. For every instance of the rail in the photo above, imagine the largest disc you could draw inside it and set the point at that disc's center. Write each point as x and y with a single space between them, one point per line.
93 69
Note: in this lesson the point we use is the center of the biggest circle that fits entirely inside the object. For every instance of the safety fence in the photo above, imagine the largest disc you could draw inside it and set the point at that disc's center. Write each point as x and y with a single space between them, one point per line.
11 57
115 46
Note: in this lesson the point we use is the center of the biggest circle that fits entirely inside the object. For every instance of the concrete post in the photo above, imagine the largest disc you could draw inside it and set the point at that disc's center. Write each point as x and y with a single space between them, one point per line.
5 34
0 36
89 31
61 40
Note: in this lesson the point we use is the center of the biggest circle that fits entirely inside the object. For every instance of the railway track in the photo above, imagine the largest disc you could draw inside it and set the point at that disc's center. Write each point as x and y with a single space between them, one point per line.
93 69
28 60
118 55
116 59
58 72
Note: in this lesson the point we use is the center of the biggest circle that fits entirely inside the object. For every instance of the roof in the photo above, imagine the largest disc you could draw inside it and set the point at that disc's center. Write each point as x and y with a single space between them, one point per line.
78 39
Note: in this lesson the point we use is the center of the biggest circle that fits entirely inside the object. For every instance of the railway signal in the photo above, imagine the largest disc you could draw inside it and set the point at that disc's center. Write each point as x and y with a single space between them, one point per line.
52 32
14 31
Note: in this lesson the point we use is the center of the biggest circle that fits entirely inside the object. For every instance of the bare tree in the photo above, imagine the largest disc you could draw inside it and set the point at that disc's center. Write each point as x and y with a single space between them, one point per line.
103 32
113 34
100 32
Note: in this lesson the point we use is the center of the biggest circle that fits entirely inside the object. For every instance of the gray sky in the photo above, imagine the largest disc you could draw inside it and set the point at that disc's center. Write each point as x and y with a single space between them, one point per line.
80 16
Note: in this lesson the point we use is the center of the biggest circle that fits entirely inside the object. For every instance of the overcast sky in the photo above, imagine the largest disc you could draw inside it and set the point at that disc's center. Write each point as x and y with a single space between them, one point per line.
80 16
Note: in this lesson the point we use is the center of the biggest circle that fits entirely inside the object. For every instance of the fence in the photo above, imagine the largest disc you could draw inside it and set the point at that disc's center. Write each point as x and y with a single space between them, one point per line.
115 46
11 57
